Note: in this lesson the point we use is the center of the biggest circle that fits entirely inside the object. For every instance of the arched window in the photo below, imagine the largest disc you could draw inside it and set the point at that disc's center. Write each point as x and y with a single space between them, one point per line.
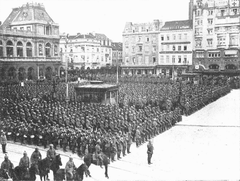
19 49
1 48
29 49
48 50
55 50
9 48
40 50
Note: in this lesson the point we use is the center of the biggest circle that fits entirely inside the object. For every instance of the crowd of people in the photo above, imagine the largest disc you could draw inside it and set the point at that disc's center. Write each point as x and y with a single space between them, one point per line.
38 113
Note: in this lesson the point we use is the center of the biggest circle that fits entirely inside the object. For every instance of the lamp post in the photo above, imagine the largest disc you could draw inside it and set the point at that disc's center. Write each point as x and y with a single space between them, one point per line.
66 72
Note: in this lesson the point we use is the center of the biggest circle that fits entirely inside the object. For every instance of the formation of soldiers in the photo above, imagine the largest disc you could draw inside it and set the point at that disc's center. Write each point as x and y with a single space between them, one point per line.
30 114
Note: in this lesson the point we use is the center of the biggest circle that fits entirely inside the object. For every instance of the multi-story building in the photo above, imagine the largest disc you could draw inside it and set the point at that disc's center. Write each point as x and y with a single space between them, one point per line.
116 53
216 26
140 47
29 44
175 44
88 51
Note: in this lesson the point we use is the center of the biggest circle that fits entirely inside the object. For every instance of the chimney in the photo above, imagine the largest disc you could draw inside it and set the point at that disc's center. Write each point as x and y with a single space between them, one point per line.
0 23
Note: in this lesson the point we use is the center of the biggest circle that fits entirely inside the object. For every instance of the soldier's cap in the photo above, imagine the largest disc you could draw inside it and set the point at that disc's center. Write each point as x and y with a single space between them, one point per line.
25 153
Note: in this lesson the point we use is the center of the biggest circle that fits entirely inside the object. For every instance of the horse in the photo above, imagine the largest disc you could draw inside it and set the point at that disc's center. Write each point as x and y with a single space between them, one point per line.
88 159
44 168
4 174
55 165
20 174
77 176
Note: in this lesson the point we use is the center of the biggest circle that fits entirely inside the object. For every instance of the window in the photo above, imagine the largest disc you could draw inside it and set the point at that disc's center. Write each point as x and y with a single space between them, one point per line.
173 59
210 42
221 40
139 60
146 48
174 37
234 11
210 31
154 49
126 59
233 41
162 37
173 48
139 39
185 59
210 12
133 60
213 54
210 21
198 43
147 39
48 50
146 60
55 50
21 28
167 47
9 49
40 50
167 59
162 59
168 38
222 12
185 48
133 49
140 48
29 28
29 49
185 36
179 48
1 49
19 49
179 36
179 59
200 54
154 60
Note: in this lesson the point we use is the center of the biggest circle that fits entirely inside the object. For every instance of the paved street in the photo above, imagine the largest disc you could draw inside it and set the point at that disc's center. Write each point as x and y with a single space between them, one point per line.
204 146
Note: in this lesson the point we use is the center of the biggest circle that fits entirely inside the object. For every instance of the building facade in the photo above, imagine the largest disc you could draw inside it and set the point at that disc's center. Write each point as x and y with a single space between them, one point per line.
216 35
88 51
116 53
140 48
29 44
175 42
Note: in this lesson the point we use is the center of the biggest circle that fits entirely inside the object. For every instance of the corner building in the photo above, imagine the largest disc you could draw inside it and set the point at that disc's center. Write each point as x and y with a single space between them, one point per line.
216 35
140 48
29 44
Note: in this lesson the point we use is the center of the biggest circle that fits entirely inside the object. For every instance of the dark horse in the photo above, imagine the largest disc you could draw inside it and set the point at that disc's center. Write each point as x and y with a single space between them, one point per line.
20 174
4 174
55 165
78 176
44 168
88 159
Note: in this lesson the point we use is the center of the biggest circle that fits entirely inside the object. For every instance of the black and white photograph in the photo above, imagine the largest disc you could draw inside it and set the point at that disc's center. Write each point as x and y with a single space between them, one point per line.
119 90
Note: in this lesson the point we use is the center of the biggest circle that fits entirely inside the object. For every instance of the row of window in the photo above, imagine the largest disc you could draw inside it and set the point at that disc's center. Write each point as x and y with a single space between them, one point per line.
219 12
146 39
140 49
174 59
138 60
174 48
221 41
87 49
29 49
215 54
179 36
93 58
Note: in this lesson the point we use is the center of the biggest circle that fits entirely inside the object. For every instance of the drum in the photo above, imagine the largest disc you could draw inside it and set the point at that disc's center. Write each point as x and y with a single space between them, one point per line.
24 136
40 137
32 136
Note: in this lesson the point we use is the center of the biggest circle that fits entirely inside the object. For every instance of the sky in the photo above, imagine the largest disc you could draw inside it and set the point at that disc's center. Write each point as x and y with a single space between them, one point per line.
103 16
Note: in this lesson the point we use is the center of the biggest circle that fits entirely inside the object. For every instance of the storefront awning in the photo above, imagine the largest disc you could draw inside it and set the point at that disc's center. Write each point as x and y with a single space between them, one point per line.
230 52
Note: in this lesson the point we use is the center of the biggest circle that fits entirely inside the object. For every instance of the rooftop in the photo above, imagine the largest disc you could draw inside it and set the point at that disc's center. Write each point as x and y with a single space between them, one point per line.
177 25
